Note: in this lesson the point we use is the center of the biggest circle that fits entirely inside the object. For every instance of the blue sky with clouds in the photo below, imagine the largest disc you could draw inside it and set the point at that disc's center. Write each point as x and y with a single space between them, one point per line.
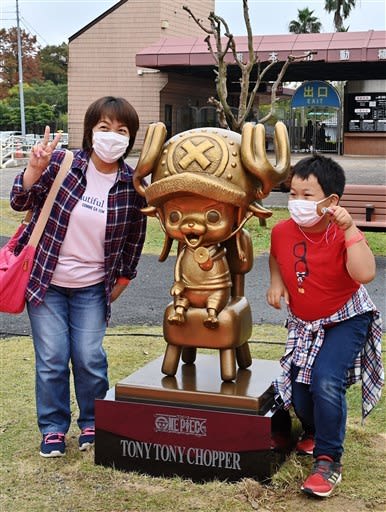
54 21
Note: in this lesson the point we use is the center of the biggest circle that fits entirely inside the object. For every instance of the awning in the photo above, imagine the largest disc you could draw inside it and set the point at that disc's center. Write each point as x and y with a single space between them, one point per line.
338 55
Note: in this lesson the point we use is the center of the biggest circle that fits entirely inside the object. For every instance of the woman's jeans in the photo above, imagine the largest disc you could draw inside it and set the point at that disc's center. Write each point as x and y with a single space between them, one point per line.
321 406
69 326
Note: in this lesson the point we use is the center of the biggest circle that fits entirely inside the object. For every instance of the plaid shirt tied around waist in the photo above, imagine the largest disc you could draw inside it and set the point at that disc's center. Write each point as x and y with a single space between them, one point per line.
306 338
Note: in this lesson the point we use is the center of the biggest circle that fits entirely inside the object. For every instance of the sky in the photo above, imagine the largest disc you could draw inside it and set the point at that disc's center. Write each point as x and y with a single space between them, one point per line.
54 21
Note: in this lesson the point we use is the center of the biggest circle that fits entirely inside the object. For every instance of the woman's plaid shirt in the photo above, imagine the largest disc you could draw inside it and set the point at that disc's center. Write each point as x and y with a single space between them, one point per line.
125 229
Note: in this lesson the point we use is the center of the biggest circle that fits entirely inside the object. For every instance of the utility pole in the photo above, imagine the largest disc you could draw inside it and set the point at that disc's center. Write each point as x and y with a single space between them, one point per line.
20 69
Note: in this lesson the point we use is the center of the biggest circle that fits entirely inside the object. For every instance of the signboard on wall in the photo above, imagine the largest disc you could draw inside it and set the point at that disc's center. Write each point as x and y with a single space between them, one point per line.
365 112
315 94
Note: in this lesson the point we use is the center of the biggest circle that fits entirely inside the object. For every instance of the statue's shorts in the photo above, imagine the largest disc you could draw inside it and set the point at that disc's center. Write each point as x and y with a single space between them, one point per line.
214 299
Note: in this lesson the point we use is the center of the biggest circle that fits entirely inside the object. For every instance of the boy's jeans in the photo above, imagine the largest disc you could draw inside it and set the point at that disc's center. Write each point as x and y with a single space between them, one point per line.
321 406
69 326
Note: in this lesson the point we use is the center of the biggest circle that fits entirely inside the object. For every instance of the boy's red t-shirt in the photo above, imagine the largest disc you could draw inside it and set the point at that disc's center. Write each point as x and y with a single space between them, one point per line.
313 268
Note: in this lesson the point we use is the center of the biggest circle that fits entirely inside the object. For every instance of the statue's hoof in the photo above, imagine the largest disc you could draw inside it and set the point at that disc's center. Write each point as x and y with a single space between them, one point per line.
211 322
176 319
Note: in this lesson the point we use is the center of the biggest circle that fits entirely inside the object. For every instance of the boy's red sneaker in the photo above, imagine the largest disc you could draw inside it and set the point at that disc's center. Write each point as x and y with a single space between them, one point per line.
305 445
325 475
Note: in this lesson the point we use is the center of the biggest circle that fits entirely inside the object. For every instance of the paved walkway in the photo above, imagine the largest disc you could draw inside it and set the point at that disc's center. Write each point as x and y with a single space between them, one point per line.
145 300
361 170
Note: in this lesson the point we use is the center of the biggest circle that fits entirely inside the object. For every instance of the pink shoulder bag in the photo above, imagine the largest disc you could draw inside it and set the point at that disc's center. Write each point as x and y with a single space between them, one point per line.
15 270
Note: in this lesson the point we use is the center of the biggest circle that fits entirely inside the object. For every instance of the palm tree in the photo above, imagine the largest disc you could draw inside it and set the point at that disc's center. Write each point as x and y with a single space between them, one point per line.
306 22
341 9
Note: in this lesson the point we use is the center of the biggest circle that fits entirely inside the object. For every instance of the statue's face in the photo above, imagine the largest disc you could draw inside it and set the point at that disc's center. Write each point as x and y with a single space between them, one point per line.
198 221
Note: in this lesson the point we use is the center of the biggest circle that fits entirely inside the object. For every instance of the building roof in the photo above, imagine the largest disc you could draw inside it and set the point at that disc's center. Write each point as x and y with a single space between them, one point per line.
337 55
97 20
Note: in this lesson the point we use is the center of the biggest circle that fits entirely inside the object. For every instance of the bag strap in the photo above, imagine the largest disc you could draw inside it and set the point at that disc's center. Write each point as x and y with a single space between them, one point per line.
47 207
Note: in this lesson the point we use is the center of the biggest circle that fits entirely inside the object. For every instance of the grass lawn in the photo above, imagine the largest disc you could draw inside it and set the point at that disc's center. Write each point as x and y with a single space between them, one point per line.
75 484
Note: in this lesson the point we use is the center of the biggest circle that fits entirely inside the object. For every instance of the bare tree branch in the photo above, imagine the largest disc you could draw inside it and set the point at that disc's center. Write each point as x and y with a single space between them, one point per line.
252 57
260 76
220 111
221 21
198 22
210 48
216 23
219 48
279 79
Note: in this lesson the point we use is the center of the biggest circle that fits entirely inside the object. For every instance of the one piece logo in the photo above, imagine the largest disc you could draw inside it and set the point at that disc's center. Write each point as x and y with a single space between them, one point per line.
176 424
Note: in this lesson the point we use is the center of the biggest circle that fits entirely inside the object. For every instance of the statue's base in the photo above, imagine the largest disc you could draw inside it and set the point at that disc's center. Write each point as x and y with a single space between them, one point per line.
194 425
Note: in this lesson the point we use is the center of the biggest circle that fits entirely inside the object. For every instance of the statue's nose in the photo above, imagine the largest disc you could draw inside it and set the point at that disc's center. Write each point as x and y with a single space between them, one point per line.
193 227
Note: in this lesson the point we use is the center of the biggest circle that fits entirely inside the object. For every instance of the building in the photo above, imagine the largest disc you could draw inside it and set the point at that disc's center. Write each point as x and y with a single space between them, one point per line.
153 53
102 61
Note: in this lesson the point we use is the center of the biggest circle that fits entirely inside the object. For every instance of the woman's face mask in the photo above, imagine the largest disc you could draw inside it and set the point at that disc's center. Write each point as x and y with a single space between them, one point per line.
305 213
109 146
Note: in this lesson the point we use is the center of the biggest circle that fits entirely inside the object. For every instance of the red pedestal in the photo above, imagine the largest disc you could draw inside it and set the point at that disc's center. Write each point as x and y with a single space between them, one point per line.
194 425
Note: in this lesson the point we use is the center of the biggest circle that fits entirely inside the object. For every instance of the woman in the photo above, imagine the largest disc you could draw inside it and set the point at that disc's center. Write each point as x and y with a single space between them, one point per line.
85 259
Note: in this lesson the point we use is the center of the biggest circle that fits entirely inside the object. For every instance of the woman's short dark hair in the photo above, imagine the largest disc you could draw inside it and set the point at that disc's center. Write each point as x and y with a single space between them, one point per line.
114 108
328 172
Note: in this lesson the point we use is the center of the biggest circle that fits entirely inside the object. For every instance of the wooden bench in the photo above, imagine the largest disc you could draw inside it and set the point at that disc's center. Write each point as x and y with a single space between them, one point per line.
365 203
367 206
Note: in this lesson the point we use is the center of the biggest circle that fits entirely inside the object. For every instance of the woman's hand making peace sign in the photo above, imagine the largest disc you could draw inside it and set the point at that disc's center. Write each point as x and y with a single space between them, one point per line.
40 157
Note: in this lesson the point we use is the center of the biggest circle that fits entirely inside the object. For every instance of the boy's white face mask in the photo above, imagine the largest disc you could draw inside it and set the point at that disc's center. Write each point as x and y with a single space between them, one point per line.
305 213
109 146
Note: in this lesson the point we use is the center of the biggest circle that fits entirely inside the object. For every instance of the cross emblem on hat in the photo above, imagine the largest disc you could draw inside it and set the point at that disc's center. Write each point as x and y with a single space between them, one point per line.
196 153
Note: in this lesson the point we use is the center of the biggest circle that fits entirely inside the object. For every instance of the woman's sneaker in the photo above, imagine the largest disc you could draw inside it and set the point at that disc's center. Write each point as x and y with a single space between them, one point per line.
86 438
325 475
305 445
53 445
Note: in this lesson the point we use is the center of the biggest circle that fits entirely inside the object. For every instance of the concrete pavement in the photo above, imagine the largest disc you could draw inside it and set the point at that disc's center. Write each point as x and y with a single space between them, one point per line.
360 170
145 300
147 296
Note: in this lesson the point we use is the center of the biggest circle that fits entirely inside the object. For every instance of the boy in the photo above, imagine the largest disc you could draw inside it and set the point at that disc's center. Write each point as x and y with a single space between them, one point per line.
319 262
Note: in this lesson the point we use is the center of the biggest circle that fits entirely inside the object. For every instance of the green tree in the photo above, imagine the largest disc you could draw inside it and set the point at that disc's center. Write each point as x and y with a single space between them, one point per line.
44 83
41 92
306 23
9 75
37 117
341 10
6 114
54 63
35 95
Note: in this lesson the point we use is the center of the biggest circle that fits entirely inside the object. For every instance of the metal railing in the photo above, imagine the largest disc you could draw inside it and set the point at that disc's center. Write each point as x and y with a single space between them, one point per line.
15 149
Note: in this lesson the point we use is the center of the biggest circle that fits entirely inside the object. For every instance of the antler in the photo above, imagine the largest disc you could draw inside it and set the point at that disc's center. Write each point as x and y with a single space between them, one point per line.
254 156
154 139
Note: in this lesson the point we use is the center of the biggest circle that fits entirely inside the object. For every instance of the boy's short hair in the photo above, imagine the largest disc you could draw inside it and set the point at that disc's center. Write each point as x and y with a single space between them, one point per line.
328 172
116 109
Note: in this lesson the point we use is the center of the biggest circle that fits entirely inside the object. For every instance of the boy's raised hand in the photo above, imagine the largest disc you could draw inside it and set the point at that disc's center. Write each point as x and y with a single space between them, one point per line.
341 217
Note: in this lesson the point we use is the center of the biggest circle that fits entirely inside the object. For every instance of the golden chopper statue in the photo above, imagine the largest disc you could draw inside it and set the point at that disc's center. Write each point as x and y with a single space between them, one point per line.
205 185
